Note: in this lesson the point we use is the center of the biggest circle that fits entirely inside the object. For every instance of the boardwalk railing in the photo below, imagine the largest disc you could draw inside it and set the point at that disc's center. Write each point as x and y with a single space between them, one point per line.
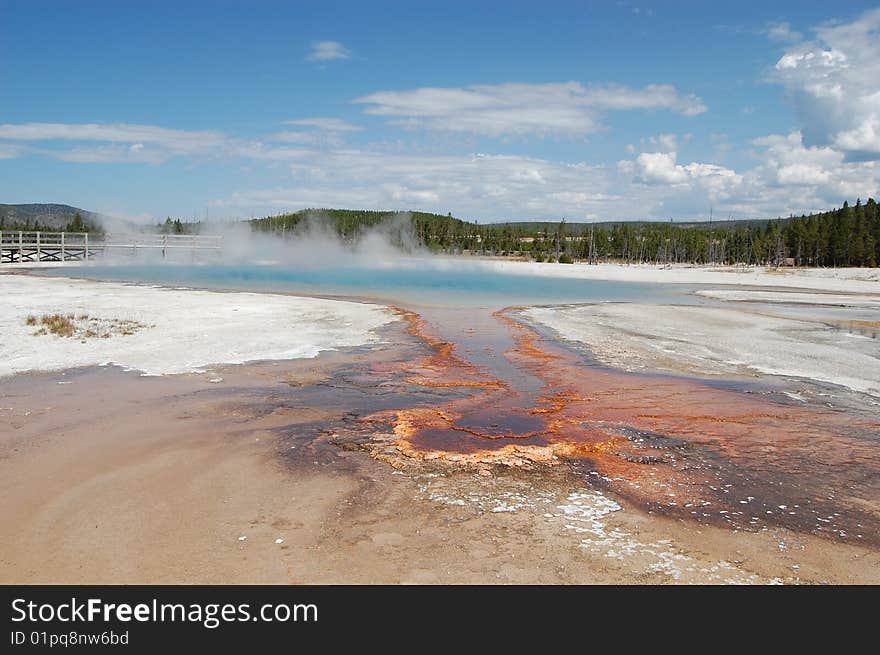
22 247
167 243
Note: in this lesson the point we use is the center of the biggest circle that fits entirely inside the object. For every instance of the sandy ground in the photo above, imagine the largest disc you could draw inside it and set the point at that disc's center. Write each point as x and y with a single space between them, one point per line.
233 476
178 480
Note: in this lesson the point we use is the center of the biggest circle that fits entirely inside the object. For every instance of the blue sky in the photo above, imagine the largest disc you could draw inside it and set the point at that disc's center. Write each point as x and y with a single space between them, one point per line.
491 111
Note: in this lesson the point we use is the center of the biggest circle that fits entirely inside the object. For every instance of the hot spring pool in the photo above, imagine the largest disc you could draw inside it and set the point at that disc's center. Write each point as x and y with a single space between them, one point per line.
412 281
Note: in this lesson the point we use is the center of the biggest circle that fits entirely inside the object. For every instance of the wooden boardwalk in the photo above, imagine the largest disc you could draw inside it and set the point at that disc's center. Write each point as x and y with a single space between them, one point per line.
31 247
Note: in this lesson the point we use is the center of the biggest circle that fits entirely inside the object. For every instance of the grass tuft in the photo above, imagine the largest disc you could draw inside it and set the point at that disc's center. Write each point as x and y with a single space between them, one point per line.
83 326
63 326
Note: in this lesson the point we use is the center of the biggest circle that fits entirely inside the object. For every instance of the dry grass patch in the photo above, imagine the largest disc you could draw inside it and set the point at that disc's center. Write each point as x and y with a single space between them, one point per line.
83 326
58 324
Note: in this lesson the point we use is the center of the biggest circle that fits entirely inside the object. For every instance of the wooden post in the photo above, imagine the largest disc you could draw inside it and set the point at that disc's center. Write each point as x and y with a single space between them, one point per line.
86 251
20 246
39 254
164 244
63 254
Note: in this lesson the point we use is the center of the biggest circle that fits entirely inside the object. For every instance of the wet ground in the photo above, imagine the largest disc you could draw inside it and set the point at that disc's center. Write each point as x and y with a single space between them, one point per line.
723 454
112 477
484 411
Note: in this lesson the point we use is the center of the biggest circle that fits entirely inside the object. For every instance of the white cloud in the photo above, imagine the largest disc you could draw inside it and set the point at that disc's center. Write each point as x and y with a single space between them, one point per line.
306 138
818 170
10 150
259 151
177 141
105 154
788 162
657 168
128 143
495 187
781 31
569 108
324 131
478 185
790 176
327 124
117 142
833 84
666 142
328 51
661 168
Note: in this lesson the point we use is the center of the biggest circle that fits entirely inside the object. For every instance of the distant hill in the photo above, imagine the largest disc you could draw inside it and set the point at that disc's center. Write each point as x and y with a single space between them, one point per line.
48 217
345 217
402 228
849 236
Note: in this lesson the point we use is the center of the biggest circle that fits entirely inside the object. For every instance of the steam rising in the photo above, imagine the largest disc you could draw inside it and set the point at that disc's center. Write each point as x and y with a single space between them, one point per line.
383 261
312 244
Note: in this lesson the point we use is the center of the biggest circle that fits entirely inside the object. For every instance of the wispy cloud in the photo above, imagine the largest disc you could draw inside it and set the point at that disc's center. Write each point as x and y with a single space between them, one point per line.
788 178
568 108
781 31
302 137
490 186
145 142
10 150
834 155
789 175
327 124
118 132
105 154
667 142
316 131
328 51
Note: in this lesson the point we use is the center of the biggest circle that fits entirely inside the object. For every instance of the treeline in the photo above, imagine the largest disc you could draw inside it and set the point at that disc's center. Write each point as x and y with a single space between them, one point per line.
434 231
76 224
177 226
849 236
